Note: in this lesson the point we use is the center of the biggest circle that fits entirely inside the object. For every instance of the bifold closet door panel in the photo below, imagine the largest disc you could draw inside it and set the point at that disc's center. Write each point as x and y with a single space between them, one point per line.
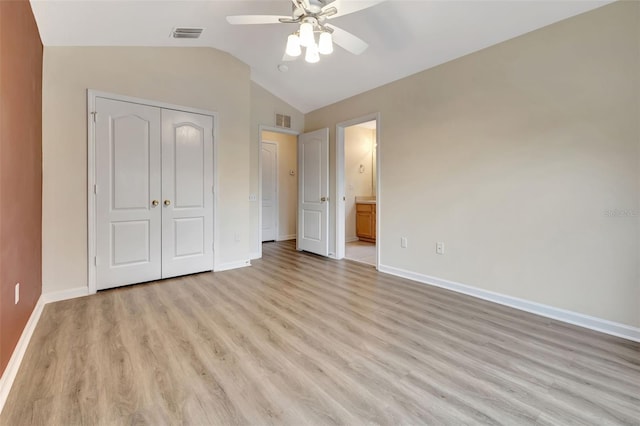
128 193
187 193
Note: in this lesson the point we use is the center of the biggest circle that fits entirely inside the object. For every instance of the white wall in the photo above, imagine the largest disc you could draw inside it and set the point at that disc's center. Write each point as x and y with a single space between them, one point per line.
287 184
264 107
358 150
194 77
512 156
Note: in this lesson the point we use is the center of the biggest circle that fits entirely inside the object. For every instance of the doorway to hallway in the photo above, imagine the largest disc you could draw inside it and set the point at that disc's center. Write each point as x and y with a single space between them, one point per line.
278 185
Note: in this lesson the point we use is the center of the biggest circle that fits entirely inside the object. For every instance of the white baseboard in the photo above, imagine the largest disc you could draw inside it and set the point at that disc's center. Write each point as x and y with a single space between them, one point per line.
9 375
72 293
231 265
256 255
575 318
351 239
286 237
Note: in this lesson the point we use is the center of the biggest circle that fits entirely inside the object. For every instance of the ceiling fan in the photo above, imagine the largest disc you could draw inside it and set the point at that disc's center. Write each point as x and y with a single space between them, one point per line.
312 17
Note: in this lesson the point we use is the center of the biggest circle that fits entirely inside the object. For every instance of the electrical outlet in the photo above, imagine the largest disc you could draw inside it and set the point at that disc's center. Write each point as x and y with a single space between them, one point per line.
17 293
440 248
403 242
253 197
236 236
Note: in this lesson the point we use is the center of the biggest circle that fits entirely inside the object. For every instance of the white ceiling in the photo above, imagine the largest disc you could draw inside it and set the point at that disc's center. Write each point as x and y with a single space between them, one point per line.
404 36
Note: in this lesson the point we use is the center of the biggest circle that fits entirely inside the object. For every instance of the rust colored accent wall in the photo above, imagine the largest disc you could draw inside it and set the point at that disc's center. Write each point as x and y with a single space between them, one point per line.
20 170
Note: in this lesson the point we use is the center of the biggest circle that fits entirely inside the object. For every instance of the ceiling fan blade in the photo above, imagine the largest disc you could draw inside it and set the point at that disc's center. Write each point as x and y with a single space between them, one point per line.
346 7
255 19
330 11
305 4
298 5
348 41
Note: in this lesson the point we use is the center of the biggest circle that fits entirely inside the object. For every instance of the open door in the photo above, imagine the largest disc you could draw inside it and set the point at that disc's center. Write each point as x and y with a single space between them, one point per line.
313 192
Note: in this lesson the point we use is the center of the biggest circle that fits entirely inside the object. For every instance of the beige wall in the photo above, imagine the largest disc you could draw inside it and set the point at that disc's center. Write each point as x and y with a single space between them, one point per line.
194 77
287 184
512 156
264 107
358 150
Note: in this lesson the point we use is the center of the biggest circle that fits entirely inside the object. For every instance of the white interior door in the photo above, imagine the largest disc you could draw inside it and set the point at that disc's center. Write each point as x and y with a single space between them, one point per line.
187 193
313 192
127 169
269 191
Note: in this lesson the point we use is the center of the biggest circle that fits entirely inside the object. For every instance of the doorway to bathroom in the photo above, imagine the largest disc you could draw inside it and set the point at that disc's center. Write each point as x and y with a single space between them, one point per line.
357 214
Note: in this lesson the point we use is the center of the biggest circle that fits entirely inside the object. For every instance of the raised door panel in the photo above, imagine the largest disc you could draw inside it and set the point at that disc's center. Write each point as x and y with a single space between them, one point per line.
130 148
312 188
312 225
130 243
127 181
188 167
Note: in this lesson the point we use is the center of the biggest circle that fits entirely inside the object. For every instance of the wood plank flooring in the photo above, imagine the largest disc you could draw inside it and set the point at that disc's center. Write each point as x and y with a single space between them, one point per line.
298 339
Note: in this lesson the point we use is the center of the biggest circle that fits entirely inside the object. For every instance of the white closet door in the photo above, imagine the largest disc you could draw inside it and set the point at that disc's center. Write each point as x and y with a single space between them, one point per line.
187 193
128 225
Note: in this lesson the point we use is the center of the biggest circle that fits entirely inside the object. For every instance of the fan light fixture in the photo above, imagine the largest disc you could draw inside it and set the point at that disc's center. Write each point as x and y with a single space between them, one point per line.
325 43
306 34
305 37
312 55
293 46
312 30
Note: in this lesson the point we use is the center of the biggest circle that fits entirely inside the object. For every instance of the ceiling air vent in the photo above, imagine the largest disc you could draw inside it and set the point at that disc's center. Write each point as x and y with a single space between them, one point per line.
187 32
283 121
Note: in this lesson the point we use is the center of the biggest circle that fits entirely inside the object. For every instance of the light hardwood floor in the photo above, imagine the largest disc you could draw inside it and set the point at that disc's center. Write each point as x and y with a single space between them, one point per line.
298 339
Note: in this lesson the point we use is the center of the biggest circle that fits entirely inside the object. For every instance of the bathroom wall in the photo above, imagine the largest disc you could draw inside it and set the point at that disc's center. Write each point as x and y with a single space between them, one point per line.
358 145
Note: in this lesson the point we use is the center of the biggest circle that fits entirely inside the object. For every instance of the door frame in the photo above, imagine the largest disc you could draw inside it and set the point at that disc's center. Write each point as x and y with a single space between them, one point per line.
266 128
91 171
340 178
277 199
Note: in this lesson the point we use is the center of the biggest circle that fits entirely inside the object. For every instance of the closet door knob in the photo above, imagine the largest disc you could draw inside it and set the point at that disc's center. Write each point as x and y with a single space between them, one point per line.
167 202
154 203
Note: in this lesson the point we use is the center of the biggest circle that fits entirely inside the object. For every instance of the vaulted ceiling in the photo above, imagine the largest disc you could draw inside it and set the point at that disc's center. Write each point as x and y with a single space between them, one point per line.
404 37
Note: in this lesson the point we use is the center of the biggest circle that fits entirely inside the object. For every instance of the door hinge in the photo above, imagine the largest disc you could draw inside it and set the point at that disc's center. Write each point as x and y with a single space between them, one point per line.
95 189
94 114
213 191
95 260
